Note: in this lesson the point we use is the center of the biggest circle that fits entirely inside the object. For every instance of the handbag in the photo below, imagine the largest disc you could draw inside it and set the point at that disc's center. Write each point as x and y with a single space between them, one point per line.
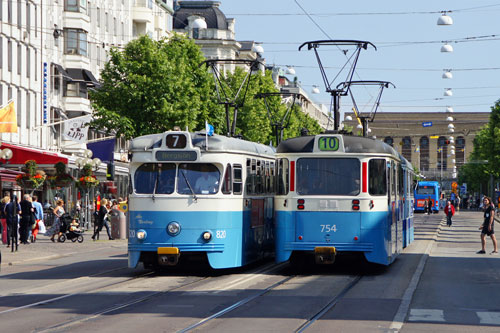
41 227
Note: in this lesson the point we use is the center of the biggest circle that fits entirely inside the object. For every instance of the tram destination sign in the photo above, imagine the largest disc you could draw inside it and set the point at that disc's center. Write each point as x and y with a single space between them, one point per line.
162 155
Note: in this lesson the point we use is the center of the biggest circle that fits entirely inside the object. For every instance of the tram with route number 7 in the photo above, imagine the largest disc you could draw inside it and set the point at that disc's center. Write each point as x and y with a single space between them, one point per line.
196 197
341 193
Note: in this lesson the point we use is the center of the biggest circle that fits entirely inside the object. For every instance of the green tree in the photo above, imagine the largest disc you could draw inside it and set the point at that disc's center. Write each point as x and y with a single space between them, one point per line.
151 86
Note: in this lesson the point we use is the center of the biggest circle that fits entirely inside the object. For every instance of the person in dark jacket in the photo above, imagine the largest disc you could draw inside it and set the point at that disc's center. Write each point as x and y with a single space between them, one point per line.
429 206
12 210
27 219
102 219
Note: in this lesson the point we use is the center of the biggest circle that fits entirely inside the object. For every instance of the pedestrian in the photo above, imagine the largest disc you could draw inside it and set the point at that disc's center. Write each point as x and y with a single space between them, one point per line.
458 203
429 206
449 211
58 212
103 219
487 228
3 219
426 206
27 218
12 210
38 217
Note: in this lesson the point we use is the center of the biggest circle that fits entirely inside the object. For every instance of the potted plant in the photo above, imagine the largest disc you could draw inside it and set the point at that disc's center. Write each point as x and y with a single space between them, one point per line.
31 178
61 178
87 180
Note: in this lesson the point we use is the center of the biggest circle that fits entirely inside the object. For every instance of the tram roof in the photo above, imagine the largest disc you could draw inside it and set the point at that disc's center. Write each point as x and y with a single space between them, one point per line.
216 143
352 145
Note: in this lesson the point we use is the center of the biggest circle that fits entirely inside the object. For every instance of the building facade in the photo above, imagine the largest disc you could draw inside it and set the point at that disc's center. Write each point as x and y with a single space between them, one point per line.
426 139
51 55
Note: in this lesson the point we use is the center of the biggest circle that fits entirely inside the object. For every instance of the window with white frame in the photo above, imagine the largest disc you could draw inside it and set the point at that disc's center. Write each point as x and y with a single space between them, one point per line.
79 6
75 41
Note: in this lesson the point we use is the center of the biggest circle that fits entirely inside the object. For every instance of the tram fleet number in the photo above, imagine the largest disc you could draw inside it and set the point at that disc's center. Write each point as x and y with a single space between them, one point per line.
328 228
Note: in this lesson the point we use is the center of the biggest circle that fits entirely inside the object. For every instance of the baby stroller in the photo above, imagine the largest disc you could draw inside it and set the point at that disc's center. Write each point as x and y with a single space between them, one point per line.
69 230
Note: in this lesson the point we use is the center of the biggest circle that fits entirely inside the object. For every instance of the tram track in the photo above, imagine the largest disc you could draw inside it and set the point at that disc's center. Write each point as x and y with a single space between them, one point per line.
146 295
321 312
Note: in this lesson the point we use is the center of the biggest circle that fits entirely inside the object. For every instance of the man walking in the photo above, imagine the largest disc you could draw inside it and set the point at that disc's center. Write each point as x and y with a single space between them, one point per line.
27 211
38 216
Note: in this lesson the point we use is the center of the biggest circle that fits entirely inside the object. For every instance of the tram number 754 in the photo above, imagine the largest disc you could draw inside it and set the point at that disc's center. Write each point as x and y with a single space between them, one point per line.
328 228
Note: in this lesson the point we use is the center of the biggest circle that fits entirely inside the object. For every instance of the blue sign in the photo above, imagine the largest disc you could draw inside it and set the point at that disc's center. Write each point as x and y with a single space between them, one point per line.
427 124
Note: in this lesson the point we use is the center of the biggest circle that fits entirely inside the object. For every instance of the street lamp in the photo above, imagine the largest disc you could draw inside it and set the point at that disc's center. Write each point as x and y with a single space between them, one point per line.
444 19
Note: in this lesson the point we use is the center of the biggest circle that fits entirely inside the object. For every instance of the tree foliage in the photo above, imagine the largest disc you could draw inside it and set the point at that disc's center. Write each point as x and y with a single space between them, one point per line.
152 86
486 148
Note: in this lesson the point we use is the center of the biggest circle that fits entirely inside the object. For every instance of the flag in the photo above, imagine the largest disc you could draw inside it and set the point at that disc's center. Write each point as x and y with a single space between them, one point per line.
209 129
8 119
77 129
103 149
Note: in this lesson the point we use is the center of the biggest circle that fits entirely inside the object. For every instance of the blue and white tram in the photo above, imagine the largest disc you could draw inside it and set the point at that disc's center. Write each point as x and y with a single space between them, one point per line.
341 193
198 196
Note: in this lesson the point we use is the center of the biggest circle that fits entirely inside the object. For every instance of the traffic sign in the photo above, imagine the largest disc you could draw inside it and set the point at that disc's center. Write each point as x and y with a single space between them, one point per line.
427 124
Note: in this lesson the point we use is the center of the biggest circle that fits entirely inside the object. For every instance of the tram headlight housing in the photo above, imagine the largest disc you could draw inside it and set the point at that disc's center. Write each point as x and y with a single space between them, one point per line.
173 228
207 236
141 234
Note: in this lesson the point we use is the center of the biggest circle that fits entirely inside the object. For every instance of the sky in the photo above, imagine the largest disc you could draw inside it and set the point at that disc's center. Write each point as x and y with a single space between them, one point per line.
408 54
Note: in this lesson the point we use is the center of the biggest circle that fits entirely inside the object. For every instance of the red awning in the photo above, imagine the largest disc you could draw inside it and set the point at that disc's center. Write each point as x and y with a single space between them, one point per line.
21 154
7 175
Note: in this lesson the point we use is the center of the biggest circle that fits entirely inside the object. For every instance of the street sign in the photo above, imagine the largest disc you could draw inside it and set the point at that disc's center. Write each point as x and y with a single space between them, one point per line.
427 124
463 188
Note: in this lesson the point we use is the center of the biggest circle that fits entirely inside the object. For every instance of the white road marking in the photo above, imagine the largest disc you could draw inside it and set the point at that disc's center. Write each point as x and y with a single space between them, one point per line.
426 315
489 318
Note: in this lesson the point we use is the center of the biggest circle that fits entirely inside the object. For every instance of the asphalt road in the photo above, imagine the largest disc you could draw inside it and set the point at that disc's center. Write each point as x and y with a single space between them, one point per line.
438 284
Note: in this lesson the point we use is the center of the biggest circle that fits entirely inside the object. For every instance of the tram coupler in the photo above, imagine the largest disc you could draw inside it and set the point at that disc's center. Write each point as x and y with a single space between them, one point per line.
325 255
168 259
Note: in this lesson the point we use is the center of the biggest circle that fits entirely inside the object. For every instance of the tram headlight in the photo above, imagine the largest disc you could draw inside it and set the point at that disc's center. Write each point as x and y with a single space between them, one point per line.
141 234
173 228
207 236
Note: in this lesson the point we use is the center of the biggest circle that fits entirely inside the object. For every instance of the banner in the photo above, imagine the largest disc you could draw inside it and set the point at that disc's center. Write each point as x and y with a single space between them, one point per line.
77 129
8 119
103 150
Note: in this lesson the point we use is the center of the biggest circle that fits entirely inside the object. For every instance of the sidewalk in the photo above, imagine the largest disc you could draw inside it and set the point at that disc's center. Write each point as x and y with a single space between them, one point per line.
44 248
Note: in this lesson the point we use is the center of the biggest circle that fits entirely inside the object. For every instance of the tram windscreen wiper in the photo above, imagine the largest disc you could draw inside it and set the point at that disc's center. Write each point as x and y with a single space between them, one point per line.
154 188
189 185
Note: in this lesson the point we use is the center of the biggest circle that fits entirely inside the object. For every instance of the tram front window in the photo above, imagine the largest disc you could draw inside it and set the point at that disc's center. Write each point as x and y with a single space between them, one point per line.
328 176
200 178
155 178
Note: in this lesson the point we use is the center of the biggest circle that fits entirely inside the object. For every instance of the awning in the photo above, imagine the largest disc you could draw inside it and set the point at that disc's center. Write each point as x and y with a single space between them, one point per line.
82 75
21 154
7 175
63 72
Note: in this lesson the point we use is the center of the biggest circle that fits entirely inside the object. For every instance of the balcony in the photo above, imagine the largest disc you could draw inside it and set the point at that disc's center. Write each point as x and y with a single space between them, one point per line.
142 11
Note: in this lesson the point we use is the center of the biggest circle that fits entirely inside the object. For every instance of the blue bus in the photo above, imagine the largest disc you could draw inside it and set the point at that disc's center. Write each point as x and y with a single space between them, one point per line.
427 190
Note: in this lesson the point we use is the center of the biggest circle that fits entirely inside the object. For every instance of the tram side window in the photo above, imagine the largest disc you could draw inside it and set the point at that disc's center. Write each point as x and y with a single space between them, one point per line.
401 181
271 175
145 178
377 177
258 178
237 179
200 178
228 181
282 176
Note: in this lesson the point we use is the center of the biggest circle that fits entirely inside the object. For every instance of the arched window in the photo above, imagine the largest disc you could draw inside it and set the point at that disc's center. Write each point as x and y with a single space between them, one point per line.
460 151
389 141
442 154
407 148
424 153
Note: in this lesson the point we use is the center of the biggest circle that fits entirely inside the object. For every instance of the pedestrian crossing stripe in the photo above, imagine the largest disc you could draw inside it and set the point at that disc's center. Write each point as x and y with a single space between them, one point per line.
437 316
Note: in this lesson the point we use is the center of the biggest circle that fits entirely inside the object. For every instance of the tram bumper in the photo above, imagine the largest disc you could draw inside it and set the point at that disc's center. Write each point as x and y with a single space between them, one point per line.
168 256
325 254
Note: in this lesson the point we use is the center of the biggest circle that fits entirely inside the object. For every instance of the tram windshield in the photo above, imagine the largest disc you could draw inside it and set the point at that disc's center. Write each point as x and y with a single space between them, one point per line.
198 178
425 190
328 176
156 178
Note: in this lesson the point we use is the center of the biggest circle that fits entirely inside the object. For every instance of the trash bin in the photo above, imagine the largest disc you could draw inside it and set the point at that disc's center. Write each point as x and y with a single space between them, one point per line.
118 224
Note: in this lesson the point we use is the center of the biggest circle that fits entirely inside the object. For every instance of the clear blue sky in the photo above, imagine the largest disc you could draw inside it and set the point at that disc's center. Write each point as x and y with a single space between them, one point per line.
415 68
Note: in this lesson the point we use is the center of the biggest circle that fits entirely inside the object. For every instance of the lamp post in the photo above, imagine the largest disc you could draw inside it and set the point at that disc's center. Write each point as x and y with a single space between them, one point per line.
80 163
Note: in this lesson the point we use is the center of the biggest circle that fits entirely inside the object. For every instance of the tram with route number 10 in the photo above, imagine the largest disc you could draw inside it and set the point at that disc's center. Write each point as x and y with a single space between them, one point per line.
341 193
198 196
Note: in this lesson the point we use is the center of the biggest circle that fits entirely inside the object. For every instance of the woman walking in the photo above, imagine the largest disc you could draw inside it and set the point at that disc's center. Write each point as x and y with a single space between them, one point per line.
449 211
487 228
58 212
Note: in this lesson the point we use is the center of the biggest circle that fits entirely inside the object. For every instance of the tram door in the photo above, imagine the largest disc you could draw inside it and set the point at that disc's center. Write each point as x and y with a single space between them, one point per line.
392 214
